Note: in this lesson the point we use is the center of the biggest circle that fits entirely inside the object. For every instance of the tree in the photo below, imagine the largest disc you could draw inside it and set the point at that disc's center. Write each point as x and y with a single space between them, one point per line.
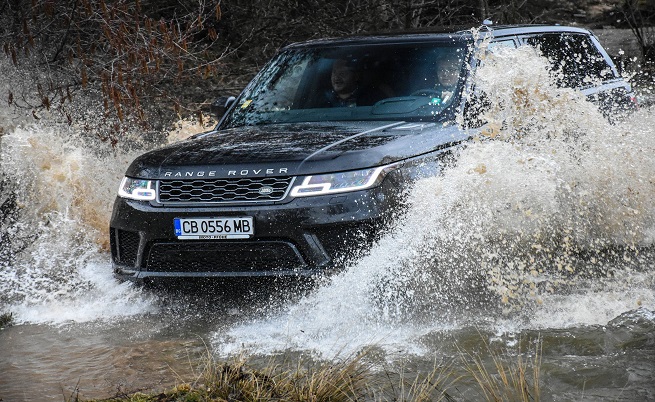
130 51
640 16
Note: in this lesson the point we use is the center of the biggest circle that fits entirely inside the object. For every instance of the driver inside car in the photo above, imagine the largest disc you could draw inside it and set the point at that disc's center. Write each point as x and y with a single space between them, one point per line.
448 70
345 84
348 88
444 74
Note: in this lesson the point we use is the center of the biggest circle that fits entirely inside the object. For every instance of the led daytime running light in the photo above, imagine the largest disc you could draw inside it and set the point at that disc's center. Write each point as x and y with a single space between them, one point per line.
342 182
137 189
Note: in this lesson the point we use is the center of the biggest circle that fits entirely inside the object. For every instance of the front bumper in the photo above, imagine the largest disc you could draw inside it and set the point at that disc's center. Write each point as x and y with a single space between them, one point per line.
304 236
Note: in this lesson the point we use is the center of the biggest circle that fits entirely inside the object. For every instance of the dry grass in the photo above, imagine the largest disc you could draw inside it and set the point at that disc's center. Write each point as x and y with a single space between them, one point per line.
506 379
432 386
342 381
495 378
6 320
235 381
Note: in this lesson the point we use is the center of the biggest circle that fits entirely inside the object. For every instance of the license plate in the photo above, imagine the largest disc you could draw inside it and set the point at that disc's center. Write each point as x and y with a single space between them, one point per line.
241 227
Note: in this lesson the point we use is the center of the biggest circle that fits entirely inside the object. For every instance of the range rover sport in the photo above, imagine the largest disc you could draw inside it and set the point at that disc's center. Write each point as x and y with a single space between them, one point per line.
310 161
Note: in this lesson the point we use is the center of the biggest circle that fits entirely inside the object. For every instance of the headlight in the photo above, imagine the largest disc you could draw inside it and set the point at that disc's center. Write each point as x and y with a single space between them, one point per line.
137 189
342 182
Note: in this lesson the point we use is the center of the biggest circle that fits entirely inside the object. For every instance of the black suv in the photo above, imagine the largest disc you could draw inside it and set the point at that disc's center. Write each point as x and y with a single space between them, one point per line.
310 161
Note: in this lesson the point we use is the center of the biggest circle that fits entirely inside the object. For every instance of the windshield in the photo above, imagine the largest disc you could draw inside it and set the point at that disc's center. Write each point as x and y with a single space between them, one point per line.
411 81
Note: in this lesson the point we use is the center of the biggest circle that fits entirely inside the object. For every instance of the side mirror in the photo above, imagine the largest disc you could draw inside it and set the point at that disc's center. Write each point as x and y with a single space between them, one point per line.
221 105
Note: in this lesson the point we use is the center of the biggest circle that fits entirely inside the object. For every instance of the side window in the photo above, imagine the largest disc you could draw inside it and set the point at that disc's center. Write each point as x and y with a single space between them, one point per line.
574 58
501 44
492 47
477 101
598 69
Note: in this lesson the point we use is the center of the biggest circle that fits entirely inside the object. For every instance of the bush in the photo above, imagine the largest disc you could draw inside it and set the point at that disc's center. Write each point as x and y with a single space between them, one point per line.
130 52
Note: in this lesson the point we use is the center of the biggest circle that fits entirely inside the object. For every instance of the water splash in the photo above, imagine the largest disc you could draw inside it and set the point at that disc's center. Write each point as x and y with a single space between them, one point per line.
58 181
548 224
57 196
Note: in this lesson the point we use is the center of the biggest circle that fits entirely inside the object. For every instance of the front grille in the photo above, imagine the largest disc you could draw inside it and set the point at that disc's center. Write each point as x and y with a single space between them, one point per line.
223 257
224 190
128 247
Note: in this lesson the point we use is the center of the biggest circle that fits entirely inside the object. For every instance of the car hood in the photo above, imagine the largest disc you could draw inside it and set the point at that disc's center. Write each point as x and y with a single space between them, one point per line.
294 149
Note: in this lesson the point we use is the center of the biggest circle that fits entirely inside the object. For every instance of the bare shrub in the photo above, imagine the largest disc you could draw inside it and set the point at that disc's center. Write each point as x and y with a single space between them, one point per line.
129 52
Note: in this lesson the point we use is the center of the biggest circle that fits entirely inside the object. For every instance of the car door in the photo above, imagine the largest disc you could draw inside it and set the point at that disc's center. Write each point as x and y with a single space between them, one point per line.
579 61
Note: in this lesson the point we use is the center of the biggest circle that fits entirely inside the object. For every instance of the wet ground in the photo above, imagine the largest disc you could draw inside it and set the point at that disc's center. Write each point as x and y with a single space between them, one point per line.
167 346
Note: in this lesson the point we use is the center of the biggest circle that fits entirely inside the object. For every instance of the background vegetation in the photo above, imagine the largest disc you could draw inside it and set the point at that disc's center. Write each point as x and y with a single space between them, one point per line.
147 61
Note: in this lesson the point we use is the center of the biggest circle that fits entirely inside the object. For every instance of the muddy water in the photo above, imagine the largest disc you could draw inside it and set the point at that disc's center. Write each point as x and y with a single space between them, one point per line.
541 238
60 351
609 361
40 363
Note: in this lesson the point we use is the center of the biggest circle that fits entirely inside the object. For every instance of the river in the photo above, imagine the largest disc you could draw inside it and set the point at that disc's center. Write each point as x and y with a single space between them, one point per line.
540 241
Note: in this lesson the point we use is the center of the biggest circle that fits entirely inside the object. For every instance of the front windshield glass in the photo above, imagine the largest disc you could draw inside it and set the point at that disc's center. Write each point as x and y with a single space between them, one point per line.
411 82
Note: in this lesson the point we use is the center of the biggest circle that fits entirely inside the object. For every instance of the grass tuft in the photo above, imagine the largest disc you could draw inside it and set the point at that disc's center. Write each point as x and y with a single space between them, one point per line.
234 381
432 386
494 375
6 320
504 379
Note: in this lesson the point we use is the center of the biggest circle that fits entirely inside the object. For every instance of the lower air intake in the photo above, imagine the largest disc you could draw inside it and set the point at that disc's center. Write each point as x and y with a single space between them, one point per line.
224 257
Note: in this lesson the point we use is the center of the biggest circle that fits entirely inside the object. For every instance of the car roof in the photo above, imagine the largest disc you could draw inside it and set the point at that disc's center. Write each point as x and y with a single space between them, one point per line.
443 33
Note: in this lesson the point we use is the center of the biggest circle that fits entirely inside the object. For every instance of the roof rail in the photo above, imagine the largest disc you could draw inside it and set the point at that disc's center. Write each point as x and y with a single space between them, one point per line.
487 25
